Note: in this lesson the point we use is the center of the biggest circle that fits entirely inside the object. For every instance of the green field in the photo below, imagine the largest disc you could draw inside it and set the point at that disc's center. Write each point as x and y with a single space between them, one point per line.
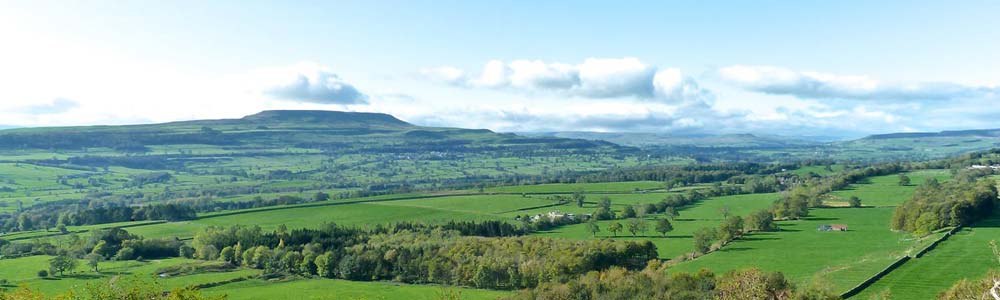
886 191
839 260
585 187
23 271
965 255
705 213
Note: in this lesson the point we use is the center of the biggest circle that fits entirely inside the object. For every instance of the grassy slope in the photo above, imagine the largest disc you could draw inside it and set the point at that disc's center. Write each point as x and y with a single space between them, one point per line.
964 255
23 271
886 191
703 214
841 259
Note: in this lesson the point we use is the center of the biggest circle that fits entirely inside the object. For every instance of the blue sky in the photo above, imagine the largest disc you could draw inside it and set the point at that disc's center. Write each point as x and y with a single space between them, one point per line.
826 68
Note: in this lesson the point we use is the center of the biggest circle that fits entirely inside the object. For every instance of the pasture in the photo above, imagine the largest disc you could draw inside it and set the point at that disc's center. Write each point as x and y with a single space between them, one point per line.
886 191
964 255
706 213
839 260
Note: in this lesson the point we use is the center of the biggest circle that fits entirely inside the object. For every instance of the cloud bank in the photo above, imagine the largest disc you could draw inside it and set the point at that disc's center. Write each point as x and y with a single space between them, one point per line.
597 78
816 85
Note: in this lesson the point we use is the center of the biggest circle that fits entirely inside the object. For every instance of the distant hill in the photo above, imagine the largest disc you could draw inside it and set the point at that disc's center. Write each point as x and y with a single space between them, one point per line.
333 130
985 133
641 139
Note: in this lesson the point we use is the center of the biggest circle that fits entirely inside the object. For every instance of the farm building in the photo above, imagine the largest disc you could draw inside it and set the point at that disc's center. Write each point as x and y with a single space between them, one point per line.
832 227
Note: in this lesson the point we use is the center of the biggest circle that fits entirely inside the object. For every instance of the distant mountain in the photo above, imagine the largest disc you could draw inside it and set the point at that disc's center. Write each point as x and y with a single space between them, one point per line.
328 131
984 133
643 139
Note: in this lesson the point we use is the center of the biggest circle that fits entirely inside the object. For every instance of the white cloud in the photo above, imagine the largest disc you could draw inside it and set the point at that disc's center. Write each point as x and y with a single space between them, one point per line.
593 78
309 82
817 85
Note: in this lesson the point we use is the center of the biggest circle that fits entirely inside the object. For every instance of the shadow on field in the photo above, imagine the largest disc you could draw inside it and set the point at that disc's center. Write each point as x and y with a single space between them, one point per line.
735 249
821 219
83 276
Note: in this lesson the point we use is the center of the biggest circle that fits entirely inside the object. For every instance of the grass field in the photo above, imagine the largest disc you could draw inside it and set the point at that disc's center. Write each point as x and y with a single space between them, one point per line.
586 187
24 271
886 191
838 259
964 255
332 289
301 217
677 242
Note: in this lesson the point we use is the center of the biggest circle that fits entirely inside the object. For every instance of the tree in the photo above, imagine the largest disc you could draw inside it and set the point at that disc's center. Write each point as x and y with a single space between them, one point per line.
579 198
762 220
663 226
103 249
208 252
854 201
93 260
724 210
593 227
637 225
904 180
186 251
629 212
228 255
615 228
62 228
703 239
731 229
126 253
321 196
62 263
605 202
671 213
325 265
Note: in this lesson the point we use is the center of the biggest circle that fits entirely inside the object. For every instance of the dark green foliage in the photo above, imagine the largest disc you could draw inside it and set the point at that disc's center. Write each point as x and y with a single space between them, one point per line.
936 205
663 226
854 201
427 256
703 239
62 263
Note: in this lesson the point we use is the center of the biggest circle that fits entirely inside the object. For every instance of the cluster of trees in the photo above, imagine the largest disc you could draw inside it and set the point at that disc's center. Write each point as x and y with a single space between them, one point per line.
421 256
935 205
86 212
653 282
100 245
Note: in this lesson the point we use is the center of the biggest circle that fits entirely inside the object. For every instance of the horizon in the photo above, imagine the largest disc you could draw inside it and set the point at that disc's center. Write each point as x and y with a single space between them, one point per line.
846 69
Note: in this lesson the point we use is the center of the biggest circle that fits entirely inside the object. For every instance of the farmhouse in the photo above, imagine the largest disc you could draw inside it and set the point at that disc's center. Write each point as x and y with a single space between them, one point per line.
833 227
552 216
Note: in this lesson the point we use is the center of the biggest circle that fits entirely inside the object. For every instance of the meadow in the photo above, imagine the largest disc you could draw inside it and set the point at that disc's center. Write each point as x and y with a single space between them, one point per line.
966 254
836 259
885 190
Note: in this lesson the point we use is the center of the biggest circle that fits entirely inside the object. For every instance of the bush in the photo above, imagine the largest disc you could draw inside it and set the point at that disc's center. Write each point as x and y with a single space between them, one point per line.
43 273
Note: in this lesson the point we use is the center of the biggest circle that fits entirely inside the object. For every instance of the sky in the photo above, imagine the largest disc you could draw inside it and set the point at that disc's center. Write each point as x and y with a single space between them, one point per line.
795 68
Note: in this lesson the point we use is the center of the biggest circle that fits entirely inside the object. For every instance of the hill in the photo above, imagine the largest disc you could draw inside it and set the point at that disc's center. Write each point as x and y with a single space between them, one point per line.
640 139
